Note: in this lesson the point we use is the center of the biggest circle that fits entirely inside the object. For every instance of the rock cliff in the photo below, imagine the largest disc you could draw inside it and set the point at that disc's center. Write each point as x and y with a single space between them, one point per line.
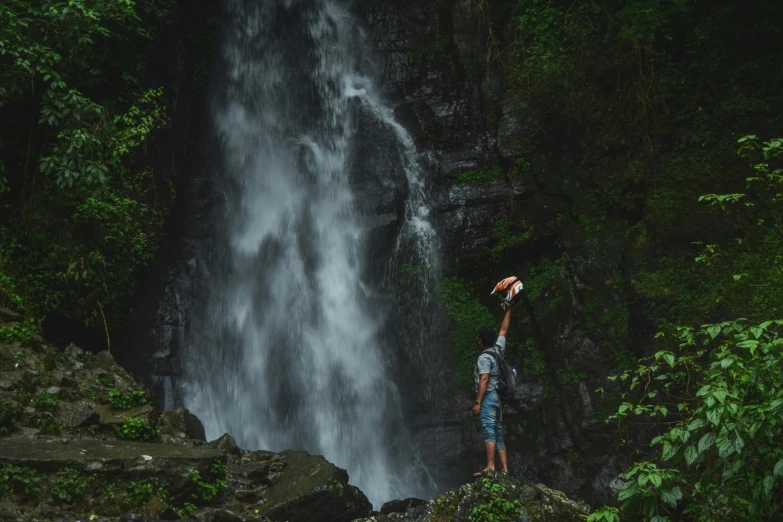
497 496
81 440
440 67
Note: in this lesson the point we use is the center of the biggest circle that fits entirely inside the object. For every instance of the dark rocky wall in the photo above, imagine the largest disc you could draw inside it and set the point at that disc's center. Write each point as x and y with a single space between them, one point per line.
458 106
184 63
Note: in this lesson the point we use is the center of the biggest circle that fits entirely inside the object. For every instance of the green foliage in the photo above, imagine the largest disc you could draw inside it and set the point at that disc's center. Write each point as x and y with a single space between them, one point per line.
15 333
69 486
570 375
138 493
509 235
46 402
534 362
137 429
604 514
47 423
186 509
467 315
718 396
548 282
209 491
731 276
77 223
20 480
126 401
480 176
496 504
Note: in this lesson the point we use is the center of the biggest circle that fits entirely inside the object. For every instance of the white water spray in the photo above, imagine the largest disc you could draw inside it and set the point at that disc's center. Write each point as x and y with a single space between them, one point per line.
287 353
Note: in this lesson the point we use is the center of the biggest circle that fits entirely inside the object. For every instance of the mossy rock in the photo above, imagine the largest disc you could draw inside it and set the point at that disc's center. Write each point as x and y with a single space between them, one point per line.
312 489
498 495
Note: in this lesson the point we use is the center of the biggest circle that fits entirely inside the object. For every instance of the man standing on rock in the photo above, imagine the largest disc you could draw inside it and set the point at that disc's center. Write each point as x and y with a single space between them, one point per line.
487 404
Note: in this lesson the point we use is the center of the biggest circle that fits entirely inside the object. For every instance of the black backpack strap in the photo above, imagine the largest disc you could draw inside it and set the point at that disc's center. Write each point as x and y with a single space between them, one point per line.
494 355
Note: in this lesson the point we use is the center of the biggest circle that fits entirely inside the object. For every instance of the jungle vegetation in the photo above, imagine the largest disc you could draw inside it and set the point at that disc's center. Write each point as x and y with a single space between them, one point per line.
666 114
656 141
78 214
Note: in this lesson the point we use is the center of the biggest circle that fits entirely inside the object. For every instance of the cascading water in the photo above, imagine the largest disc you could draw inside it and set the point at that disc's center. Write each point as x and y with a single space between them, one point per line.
287 351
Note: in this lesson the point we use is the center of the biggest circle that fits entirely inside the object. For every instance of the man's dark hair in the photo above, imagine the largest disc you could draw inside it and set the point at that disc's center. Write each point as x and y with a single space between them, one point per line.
487 336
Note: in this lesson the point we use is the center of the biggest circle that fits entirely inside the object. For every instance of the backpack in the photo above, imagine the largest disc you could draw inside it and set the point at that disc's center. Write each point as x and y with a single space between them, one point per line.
507 381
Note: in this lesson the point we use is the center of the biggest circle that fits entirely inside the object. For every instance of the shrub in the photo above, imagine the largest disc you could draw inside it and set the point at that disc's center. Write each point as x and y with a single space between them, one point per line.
136 429
495 504
46 402
126 401
209 491
19 479
69 486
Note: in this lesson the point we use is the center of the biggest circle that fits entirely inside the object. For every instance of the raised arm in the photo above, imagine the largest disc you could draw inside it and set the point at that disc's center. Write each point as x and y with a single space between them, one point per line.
506 323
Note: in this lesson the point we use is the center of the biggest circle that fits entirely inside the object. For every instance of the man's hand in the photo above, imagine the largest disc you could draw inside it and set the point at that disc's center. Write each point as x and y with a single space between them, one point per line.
476 409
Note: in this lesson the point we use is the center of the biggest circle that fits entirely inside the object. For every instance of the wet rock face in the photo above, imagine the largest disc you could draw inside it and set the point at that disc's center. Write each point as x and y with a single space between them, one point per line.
488 497
468 126
182 424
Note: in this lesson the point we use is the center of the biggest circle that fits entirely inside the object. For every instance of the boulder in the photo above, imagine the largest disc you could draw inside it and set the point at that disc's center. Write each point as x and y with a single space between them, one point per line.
105 361
179 422
401 506
226 444
312 489
157 508
73 352
534 503
265 472
77 414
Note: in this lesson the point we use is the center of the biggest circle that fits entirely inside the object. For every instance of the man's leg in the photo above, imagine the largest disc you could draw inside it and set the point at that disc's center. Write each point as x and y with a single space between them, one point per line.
490 446
503 460
500 444
487 417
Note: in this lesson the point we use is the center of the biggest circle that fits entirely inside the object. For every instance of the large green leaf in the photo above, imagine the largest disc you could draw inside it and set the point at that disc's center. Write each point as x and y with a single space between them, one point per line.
691 454
706 442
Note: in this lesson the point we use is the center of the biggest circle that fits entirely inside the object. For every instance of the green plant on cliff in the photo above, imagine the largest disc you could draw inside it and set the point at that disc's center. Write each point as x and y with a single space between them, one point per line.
496 504
20 480
15 333
126 401
46 402
509 235
138 493
77 218
69 486
467 315
480 176
209 491
135 428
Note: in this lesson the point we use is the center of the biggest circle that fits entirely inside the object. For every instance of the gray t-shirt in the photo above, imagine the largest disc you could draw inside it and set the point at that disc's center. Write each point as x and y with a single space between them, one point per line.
487 364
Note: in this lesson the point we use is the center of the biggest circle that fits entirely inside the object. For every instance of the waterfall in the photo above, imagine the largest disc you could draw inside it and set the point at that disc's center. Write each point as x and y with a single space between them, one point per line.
287 351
